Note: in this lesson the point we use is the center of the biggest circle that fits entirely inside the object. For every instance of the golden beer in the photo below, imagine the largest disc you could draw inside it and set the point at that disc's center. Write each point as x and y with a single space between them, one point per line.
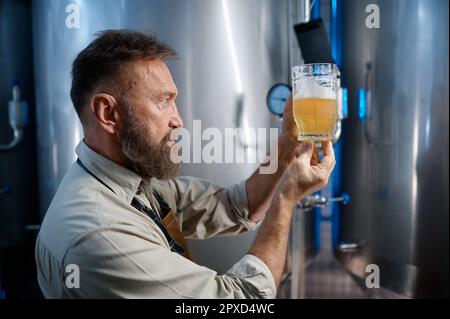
315 118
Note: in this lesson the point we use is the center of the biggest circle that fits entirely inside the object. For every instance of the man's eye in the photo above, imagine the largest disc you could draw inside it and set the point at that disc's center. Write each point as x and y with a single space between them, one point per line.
164 102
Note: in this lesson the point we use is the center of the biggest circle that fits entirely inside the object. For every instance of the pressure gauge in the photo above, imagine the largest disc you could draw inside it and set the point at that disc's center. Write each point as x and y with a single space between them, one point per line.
277 98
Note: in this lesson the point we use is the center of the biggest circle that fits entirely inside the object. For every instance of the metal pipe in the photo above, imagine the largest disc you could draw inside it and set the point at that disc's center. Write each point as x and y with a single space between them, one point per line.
17 137
17 119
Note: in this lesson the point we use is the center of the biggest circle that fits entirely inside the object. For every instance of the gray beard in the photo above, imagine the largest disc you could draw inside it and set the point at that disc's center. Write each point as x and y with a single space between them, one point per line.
144 157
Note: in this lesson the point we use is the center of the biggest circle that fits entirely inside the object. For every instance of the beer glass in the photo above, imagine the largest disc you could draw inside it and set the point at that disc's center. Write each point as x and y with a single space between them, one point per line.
315 104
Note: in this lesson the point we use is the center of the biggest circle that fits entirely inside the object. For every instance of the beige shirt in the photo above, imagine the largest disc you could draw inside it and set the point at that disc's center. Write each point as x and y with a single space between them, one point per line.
121 253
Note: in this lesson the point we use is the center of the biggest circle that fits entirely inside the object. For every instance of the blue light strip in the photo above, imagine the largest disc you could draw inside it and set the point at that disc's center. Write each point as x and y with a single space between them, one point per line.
336 191
335 179
333 27
336 33
315 14
315 11
344 102
317 227
362 104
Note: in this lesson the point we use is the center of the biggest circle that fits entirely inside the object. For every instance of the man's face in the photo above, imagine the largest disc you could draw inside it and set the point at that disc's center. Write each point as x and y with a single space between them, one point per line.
149 114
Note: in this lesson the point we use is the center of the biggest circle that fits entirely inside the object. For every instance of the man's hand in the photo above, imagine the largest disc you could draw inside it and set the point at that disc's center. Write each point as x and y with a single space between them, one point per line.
307 174
261 187
289 125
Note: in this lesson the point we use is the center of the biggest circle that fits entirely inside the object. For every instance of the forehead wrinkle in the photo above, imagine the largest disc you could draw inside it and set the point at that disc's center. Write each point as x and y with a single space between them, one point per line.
154 79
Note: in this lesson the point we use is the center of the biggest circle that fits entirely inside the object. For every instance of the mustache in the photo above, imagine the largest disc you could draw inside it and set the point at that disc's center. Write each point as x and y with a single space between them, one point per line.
167 138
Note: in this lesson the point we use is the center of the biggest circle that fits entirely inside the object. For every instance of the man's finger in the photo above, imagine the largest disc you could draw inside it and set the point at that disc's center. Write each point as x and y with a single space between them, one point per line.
306 151
327 163
327 149
288 106
328 159
289 101
315 156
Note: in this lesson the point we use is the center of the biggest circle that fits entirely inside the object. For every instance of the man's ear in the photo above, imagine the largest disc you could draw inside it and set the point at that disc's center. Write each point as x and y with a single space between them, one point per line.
106 112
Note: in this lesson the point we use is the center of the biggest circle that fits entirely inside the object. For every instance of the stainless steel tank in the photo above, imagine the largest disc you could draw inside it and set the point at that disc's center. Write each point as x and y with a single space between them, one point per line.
396 150
18 173
230 53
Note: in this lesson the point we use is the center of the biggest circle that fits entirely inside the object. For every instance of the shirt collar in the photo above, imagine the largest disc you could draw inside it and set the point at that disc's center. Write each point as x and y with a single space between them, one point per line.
121 180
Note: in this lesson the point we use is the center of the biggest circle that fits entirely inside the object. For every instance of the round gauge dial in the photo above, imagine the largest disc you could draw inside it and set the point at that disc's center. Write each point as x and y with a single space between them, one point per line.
277 98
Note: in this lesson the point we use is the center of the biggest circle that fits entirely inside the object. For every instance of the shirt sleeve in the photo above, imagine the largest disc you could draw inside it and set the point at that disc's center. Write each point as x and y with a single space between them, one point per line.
123 263
205 209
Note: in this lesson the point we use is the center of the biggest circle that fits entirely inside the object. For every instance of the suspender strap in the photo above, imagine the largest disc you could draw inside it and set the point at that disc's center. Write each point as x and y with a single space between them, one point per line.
136 203
162 203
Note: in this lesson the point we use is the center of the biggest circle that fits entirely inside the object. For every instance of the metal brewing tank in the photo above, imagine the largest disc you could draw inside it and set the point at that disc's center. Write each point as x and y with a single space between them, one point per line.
18 174
230 53
395 158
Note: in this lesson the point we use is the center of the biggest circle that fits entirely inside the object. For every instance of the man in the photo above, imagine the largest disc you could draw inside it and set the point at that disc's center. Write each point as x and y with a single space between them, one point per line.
119 217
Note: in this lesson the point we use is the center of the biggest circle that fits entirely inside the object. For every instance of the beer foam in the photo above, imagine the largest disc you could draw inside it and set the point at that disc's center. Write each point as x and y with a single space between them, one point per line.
310 88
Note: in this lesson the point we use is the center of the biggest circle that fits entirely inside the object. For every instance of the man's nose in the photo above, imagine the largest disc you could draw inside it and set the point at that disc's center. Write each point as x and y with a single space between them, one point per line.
176 121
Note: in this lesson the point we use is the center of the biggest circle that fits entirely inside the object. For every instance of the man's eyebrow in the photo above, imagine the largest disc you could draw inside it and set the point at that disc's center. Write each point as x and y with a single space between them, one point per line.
160 93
